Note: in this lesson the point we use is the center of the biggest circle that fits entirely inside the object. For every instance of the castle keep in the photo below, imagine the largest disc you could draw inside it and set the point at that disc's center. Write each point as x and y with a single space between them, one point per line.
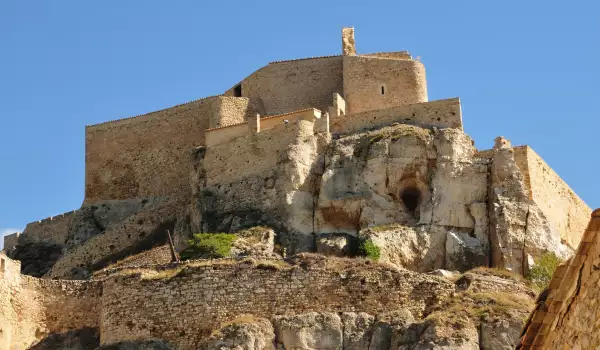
323 152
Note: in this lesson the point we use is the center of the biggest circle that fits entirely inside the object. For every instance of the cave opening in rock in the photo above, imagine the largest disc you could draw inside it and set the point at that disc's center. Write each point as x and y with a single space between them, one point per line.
411 197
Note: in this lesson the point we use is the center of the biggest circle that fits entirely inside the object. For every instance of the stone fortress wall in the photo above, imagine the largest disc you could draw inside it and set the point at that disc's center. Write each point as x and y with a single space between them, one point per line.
564 210
52 230
148 155
287 86
568 313
32 308
184 303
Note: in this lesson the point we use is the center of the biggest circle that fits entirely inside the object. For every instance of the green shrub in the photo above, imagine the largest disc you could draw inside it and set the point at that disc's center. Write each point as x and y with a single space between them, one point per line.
368 249
209 246
541 273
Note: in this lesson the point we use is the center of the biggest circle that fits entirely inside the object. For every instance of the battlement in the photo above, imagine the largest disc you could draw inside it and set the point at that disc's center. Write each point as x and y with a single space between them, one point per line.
10 241
52 230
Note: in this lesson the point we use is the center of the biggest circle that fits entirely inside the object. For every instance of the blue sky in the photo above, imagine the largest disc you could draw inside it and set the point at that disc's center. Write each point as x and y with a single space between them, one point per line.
527 70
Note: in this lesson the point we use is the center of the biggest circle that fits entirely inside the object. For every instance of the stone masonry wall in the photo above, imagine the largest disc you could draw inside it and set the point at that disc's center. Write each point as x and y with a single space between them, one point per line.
288 86
441 113
148 155
251 154
567 314
32 308
403 82
184 308
51 230
565 211
11 240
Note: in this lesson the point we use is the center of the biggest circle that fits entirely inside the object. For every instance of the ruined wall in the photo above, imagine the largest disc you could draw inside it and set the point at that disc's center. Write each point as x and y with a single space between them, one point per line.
287 86
52 230
440 113
32 308
565 211
134 307
567 314
403 82
148 155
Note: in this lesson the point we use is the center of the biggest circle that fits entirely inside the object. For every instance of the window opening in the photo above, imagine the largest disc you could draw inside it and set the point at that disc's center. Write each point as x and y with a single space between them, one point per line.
237 90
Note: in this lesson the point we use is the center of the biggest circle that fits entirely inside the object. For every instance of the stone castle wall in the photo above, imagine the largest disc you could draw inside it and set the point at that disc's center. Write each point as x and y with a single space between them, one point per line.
373 83
32 308
565 211
567 315
186 307
148 155
11 240
251 155
287 86
440 113
52 230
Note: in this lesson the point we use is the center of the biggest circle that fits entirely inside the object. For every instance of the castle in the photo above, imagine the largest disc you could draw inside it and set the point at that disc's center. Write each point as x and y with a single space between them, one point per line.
324 150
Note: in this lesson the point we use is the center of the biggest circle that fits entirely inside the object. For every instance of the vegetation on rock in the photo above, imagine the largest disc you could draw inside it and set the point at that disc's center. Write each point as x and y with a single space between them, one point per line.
541 273
209 246
369 250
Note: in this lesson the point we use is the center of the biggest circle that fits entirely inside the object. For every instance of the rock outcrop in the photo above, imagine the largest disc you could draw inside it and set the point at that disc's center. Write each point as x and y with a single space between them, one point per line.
487 312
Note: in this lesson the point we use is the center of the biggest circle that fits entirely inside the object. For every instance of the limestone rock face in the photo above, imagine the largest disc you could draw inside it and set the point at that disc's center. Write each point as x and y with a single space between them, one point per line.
250 334
255 242
105 232
518 227
425 197
333 244
309 331
418 248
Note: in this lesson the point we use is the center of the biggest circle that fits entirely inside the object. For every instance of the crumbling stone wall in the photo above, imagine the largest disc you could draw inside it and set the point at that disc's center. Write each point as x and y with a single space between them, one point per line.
206 296
373 83
287 86
148 155
31 308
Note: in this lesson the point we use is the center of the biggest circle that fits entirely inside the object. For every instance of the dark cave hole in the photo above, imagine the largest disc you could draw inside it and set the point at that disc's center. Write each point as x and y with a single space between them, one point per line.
411 197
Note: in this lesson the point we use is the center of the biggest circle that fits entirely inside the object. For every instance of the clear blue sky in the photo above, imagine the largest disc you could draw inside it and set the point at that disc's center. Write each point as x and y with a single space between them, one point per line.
527 70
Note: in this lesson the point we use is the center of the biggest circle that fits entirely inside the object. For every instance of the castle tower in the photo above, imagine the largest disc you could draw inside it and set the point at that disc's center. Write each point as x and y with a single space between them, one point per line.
348 43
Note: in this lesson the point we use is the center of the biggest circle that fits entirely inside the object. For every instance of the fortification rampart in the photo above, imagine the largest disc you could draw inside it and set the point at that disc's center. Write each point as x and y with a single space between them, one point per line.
564 210
225 134
440 113
287 86
374 83
52 230
252 154
10 241
567 313
199 299
32 308
147 155
398 55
